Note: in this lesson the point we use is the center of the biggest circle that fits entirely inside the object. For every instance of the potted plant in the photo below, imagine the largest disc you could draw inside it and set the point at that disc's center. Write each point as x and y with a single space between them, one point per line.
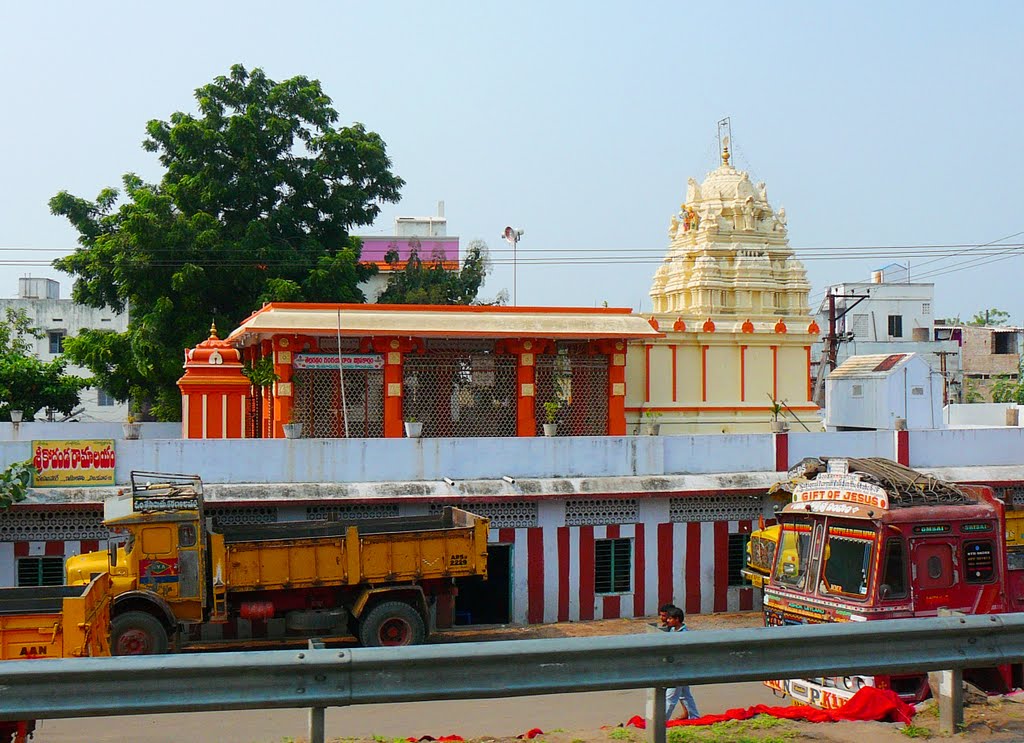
776 409
131 427
413 427
652 422
292 429
261 372
551 409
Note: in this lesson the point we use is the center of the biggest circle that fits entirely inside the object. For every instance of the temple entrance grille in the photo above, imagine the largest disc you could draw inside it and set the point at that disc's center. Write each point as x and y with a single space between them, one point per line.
460 388
254 414
578 380
318 403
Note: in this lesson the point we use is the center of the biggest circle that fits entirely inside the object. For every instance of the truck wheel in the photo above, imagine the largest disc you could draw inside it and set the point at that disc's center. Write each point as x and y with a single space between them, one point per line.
137 633
391 623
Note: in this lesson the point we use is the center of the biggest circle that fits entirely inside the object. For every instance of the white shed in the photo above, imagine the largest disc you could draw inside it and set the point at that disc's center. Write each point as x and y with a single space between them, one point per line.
872 392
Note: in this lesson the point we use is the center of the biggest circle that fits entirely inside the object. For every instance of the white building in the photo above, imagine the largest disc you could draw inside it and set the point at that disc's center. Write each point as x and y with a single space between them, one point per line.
872 393
59 318
426 236
886 316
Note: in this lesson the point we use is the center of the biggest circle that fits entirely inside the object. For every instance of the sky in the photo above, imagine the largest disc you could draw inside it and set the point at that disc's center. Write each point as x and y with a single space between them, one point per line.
878 126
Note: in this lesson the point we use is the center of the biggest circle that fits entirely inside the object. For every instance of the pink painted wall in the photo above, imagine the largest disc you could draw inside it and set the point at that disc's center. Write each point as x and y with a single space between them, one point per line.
375 248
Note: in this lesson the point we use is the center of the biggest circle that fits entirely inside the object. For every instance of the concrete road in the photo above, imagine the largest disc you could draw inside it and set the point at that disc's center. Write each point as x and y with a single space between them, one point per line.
494 717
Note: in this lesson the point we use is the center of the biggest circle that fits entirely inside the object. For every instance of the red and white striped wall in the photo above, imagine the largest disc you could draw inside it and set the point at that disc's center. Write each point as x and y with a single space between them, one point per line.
11 551
553 569
683 563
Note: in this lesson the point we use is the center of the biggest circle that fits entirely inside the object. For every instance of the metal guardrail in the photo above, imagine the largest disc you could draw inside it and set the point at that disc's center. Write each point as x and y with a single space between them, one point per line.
319 678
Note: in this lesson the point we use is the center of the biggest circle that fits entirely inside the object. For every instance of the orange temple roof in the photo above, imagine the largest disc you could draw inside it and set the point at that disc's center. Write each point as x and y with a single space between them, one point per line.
442 321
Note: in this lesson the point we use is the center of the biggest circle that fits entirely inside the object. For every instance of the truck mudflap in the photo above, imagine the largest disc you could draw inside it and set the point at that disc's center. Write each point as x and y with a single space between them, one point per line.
824 693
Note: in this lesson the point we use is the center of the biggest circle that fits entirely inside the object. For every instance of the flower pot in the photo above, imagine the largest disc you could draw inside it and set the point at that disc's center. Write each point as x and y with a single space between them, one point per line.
550 429
292 430
131 430
780 426
652 429
413 429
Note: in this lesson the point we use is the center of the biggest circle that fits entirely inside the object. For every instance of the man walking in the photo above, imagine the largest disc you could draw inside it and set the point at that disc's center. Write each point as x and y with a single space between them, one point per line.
675 620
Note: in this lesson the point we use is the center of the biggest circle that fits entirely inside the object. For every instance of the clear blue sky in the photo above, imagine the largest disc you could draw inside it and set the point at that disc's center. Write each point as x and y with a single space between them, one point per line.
874 124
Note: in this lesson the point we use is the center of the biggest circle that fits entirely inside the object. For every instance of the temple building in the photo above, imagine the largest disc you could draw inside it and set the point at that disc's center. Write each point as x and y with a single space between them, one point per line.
727 349
731 301
367 371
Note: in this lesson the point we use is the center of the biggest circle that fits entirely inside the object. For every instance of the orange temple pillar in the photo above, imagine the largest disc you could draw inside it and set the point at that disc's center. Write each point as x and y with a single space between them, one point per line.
526 381
616 350
393 350
214 392
284 389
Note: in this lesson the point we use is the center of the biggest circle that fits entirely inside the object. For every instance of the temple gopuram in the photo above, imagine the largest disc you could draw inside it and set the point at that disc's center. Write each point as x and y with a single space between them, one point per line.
731 301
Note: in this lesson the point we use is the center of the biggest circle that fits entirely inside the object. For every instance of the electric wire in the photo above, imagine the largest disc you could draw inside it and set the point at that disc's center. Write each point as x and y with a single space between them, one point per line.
600 256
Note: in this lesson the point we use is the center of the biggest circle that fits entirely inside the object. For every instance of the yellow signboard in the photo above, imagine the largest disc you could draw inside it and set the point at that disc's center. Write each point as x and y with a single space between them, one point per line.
69 464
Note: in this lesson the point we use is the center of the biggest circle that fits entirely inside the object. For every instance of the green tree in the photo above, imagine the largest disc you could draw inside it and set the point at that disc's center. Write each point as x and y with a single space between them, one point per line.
429 282
971 393
259 193
1009 390
26 383
990 317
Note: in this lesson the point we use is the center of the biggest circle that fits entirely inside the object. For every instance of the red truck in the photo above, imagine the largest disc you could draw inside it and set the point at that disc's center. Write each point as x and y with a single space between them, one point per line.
868 539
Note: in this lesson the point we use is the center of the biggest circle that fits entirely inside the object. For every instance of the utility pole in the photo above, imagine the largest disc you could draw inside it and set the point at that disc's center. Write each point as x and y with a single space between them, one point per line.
830 352
944 370
831 343
512 237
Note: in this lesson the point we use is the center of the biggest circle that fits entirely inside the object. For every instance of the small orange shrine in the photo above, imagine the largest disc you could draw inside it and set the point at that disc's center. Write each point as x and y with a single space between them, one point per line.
214 392
363 371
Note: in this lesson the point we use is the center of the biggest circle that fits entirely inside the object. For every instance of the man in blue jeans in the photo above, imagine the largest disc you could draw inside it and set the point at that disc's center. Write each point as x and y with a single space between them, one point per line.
676 621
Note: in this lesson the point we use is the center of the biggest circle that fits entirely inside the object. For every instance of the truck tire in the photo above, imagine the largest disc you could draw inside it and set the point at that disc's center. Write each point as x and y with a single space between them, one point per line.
391 623
137 633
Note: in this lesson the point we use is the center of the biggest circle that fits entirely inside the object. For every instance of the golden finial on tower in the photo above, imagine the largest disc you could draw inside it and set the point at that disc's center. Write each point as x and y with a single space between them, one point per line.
213 331
724 138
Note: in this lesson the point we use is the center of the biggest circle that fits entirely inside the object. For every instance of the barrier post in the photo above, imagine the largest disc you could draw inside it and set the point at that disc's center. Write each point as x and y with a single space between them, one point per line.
951 701
655 715
316 714
948 686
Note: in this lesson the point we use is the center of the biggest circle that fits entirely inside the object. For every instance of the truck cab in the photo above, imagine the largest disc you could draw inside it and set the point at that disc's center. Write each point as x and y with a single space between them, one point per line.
866 540
156 560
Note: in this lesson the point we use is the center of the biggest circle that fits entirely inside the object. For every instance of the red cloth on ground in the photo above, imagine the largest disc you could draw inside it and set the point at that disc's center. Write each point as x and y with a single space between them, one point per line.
531 734
869 703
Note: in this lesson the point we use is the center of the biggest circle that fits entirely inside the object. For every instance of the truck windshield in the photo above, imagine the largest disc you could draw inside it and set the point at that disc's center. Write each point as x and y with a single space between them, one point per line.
793 555
847 560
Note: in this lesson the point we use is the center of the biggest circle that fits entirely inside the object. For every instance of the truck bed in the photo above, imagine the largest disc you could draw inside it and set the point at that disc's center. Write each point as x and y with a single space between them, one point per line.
450 518
55 621
372 552
43 600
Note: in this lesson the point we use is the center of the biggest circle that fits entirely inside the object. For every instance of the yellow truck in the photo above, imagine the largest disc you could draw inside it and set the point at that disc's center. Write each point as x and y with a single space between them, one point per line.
52 622
178 581
760 557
